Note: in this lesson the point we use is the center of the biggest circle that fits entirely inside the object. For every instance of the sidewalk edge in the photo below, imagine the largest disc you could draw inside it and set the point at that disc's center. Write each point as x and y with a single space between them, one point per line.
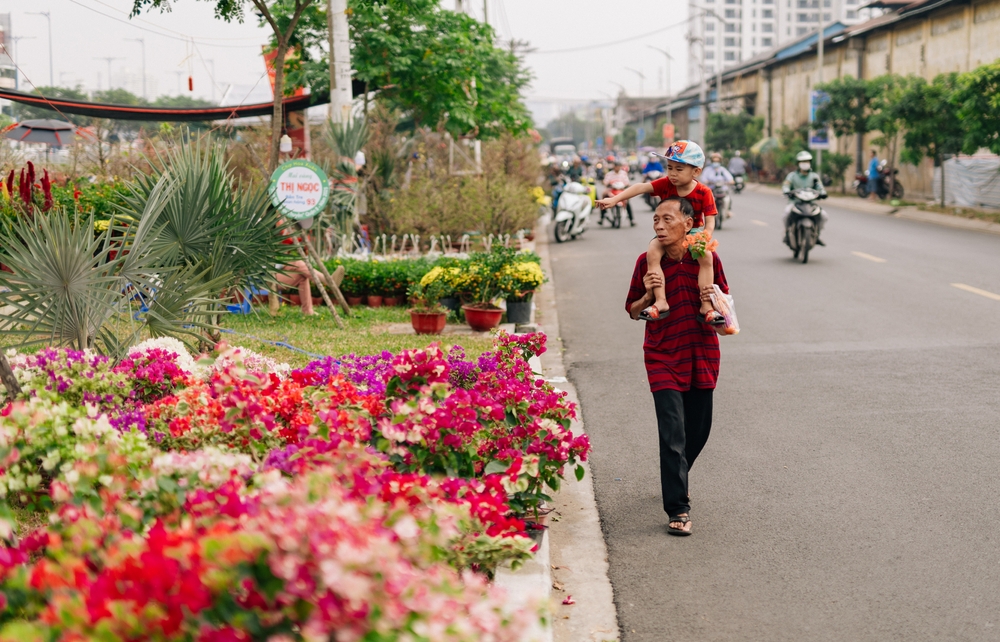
579 555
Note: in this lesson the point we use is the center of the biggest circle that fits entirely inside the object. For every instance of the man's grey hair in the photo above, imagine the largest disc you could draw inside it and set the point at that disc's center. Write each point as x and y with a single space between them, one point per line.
682 203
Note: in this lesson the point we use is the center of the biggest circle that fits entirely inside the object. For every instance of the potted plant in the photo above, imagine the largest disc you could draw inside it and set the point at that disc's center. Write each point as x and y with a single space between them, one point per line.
375 280
520 280
395 282
427 316
352 286
483 284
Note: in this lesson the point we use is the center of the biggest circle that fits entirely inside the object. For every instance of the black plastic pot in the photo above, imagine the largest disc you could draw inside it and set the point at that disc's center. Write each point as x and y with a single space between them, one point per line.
519 311
451 302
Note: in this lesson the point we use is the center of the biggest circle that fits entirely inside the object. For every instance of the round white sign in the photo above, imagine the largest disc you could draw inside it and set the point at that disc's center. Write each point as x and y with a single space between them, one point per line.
300 189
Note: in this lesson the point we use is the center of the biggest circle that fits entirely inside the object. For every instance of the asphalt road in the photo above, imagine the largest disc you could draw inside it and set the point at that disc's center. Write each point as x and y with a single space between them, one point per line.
851 486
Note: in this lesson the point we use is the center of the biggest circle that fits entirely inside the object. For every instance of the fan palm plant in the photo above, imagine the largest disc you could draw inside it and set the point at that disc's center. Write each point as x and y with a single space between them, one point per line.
224 229
71 287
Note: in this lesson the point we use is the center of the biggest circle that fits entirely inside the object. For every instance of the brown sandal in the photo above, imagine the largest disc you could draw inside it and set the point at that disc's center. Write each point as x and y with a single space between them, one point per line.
682 519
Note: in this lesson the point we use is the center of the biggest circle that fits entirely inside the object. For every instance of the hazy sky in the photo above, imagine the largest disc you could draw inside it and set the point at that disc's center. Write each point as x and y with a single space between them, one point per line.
189 40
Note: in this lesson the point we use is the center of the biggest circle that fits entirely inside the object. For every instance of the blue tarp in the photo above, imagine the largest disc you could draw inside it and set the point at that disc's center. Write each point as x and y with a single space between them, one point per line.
801 46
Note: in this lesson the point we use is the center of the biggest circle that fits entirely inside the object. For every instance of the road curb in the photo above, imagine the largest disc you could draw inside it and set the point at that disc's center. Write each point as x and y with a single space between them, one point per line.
908 212
579 556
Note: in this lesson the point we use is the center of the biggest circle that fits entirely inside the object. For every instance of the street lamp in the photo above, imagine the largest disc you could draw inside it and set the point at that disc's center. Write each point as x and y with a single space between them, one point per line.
666 81
109 59
642 105
48 16
142 41
17 70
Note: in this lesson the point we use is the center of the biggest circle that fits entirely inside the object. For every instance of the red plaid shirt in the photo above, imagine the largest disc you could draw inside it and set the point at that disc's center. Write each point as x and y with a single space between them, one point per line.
681 352
701 198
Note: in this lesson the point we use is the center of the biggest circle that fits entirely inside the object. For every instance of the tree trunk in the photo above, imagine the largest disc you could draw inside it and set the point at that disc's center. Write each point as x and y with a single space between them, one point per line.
277 116
940 160
8 378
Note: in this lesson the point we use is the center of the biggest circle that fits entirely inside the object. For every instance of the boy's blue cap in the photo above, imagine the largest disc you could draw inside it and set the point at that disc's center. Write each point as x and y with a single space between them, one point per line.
685 151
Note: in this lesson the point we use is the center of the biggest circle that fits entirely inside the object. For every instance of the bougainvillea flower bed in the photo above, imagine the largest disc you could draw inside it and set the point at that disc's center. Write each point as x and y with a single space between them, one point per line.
231 498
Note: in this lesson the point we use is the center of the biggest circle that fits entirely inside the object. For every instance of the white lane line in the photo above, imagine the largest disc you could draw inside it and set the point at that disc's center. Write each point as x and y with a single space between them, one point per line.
756 222
874 259
969 288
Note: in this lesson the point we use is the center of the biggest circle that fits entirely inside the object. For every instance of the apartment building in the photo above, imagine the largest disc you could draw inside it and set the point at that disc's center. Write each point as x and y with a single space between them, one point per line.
727 32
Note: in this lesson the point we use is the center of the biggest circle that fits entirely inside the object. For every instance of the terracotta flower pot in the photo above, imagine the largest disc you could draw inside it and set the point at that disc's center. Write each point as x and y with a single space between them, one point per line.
428 322
318 301
295 299
482 319
354 301
374 301
391 301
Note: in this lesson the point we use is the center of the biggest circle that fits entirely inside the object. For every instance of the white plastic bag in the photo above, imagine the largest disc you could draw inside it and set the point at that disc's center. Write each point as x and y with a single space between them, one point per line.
724 305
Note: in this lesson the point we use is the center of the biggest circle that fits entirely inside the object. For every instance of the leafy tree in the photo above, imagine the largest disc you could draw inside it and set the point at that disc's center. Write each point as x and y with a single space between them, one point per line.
848 109
887 116
837 165
930 115
627 137
30 112
791 141
181 102
979 108
728 132
283 17
439 67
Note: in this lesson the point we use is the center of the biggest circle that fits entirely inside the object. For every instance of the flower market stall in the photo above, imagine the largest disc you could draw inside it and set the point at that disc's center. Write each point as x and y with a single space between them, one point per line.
229 497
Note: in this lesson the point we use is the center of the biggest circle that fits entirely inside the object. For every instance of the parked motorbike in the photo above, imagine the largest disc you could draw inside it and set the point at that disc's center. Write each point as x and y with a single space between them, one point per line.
803 222
614 214
882 188
723 202
572 212
651 199
739 180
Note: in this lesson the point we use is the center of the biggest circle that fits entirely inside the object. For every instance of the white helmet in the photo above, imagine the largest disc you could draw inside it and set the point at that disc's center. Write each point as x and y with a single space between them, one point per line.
803 156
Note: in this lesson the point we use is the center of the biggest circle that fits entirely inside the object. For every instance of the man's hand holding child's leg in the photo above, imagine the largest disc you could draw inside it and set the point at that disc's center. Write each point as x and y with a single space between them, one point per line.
660 308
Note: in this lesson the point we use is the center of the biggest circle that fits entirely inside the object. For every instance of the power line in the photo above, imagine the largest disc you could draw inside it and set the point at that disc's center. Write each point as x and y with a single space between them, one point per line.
614 42
113 8
158 33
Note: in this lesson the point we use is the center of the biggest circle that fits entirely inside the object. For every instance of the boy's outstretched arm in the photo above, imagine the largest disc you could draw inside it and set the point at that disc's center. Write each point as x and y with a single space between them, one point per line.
630 191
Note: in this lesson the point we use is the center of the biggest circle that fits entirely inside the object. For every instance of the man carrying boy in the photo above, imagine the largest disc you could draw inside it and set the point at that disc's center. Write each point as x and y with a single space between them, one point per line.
685 160
681 354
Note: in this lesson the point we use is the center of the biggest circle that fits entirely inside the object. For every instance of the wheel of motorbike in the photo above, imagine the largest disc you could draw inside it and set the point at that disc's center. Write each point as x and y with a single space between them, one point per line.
897 190
719 219
562 230
863 191
616 217
805 242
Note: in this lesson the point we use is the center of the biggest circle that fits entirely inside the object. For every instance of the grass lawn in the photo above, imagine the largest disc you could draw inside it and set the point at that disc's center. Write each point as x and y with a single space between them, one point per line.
365 332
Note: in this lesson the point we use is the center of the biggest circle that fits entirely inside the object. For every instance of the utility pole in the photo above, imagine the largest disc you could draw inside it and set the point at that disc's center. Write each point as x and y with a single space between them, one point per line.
819 51
341 96
109 59
211 61
666 73
486 17
17 72
702 85
48 16
142 41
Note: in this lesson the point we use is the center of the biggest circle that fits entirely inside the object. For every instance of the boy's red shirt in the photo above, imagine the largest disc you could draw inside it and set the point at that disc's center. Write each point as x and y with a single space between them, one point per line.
680 351
701 198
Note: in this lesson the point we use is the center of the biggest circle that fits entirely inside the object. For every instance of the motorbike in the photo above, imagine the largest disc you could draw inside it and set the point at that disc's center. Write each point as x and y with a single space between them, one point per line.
740 182
803 222
882 188
572 212
599 169
651 200
723 202
614 214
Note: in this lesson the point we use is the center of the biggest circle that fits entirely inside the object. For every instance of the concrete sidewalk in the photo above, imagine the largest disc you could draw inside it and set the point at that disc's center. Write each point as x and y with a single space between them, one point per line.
906 212
578 553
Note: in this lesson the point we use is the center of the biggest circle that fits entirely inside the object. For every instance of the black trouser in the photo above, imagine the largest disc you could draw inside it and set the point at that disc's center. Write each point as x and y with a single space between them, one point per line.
684 420
628 208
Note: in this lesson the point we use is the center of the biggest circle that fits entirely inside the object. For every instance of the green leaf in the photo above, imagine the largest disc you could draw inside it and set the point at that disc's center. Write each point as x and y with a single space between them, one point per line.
579 471
496 466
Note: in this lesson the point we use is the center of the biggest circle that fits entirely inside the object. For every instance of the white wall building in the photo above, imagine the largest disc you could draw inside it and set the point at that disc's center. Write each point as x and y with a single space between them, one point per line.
748 27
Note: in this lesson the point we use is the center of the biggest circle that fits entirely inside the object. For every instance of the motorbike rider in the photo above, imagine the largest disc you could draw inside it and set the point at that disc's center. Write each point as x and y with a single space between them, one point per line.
619 175
715 175
737 166
652 165
803 178
575 171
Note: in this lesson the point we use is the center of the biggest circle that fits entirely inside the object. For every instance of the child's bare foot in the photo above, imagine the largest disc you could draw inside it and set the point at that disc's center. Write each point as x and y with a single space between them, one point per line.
662 306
